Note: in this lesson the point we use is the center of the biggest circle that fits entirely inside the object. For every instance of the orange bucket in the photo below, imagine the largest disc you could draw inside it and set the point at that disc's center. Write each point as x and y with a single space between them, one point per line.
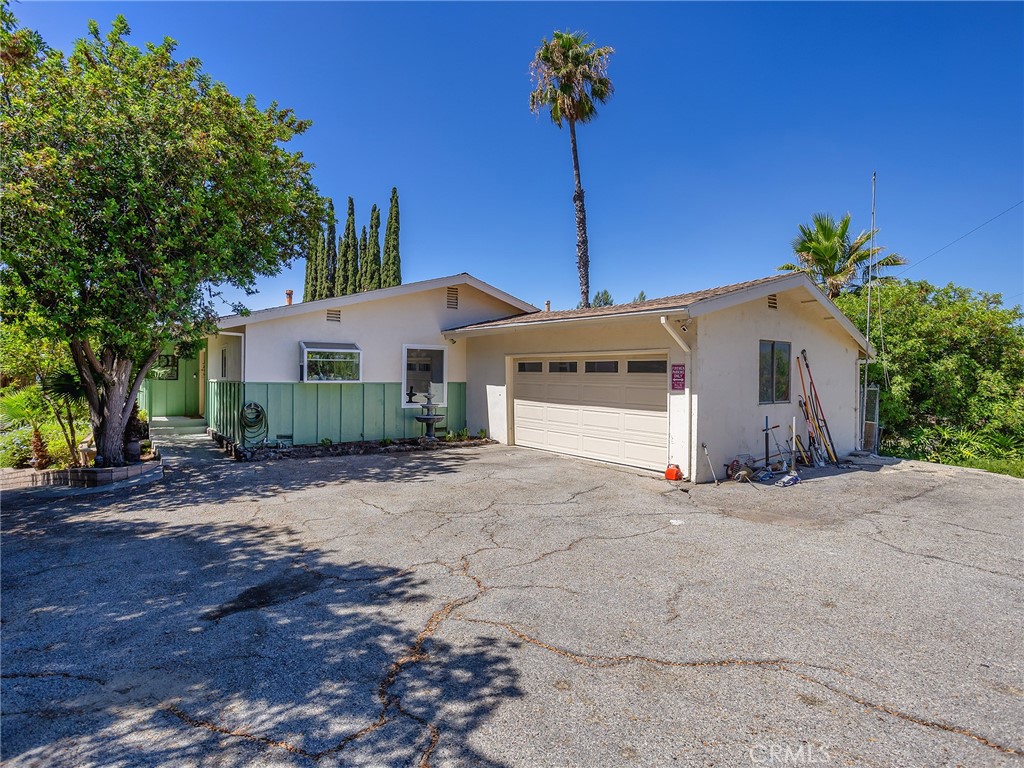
673 472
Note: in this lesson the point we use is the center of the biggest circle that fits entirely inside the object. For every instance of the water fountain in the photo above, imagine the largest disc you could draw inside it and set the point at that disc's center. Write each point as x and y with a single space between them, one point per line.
430 416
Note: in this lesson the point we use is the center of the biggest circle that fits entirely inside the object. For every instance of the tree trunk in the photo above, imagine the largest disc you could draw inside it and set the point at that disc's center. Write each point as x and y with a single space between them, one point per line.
582 244
111 398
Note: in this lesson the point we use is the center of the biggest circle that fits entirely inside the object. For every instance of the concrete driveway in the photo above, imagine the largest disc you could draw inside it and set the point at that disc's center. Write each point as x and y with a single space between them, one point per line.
503 607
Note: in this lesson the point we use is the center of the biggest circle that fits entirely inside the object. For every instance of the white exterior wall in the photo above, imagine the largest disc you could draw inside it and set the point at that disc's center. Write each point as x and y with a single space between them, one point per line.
725 406
489 368
214 346
378 328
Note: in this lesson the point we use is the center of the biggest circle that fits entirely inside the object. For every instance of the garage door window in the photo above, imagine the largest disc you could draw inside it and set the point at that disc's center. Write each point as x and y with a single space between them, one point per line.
601 366
531 367
425 370
562 366
773 372
646 366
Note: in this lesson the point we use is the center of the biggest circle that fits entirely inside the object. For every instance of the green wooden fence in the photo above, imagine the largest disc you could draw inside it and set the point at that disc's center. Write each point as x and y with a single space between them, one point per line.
173 397
309 413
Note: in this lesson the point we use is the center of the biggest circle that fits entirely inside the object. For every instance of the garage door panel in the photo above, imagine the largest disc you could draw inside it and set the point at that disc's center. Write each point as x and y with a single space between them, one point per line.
644 455
562 415
645 397
565 441
562 392
601 419
607 448
530 389
654 424
529 436
529 411
602 394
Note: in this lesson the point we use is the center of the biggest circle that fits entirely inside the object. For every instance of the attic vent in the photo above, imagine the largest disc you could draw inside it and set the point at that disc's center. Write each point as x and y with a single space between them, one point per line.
453 298
333 315
773 301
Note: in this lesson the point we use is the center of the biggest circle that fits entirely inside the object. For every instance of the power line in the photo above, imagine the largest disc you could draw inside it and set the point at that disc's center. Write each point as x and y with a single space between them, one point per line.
916 263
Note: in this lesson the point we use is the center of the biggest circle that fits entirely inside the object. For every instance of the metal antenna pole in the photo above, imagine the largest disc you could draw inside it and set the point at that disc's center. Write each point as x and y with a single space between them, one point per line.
867 333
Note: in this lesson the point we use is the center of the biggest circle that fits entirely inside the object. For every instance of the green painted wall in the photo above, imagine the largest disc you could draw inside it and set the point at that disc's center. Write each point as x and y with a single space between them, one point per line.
308 413
180 397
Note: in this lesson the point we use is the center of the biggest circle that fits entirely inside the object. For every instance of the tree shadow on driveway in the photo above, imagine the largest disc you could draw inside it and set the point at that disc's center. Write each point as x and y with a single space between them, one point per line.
188 485
145 644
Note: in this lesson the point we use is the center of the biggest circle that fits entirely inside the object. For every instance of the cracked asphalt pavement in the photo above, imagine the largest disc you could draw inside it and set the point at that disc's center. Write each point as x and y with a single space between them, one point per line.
504 607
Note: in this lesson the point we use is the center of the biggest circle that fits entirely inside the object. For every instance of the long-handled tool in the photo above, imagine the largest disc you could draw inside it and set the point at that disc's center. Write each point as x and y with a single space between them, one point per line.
829 445
814 431
803 454
778 447
712 466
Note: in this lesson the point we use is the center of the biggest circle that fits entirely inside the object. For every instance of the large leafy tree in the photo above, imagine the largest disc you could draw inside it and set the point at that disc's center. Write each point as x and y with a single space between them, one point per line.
834 259
947 358
570 76
135 187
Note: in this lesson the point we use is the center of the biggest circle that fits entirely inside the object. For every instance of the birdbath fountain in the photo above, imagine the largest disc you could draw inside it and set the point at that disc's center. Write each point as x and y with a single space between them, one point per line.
430 417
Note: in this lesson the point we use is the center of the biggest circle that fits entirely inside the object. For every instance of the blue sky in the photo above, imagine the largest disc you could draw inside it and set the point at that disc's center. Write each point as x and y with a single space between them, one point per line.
731 123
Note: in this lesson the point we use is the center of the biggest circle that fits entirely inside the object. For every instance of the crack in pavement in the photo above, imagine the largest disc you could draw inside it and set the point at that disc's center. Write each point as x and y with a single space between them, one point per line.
670 603
572 544
899 714
64 675
927 556
908 518
599 661
378 507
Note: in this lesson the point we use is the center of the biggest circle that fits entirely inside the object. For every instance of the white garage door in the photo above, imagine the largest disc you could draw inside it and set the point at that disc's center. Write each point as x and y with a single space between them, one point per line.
612 408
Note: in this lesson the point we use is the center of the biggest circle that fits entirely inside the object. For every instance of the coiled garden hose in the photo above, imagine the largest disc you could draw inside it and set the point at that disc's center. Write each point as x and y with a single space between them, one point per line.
252 422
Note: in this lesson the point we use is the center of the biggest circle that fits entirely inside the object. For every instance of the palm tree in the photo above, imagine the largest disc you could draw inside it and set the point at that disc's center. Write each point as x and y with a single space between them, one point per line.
828 255
571 74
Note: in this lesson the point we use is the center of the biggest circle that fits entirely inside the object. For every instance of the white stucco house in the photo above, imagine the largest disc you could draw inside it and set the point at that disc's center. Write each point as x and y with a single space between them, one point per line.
642 384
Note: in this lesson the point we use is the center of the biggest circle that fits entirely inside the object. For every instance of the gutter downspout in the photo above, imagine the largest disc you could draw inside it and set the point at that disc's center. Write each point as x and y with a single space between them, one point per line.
690 454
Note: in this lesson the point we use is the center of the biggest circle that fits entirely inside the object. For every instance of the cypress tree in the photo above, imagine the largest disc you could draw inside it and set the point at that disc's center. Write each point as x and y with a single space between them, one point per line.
341 273
331 252
352 246
391 268
363 262
321 289
307 288
347 247
371 257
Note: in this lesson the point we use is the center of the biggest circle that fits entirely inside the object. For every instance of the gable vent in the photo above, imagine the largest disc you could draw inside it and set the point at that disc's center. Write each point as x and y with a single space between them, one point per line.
333 315
453 298
773 301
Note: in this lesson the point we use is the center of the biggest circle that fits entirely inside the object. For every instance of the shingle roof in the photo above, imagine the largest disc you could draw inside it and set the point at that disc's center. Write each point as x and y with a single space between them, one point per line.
679 301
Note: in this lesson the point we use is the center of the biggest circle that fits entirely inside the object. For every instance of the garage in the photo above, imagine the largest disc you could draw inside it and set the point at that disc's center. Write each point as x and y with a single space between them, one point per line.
610 407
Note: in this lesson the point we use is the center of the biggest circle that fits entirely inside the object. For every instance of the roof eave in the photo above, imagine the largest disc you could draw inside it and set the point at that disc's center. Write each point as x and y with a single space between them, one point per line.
485 330
463 278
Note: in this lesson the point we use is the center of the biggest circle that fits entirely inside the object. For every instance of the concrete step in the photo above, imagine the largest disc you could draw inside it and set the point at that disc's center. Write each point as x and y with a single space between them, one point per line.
163 426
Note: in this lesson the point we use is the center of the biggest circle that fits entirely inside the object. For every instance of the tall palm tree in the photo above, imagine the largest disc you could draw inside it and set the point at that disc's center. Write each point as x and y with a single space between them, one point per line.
826 252
571 75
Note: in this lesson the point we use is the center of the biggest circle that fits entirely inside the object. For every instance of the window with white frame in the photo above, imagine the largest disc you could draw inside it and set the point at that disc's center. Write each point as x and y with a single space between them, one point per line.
424 369
329 363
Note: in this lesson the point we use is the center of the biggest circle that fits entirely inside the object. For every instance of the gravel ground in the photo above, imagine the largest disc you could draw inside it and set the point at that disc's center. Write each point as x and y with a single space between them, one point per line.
505 607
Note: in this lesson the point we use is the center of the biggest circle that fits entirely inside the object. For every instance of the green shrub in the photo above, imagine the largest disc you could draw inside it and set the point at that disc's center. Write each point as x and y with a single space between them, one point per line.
1011 467
16 447
482 434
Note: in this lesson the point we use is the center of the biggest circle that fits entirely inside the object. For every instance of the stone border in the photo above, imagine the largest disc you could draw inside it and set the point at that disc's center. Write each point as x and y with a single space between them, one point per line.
77 477
357 448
